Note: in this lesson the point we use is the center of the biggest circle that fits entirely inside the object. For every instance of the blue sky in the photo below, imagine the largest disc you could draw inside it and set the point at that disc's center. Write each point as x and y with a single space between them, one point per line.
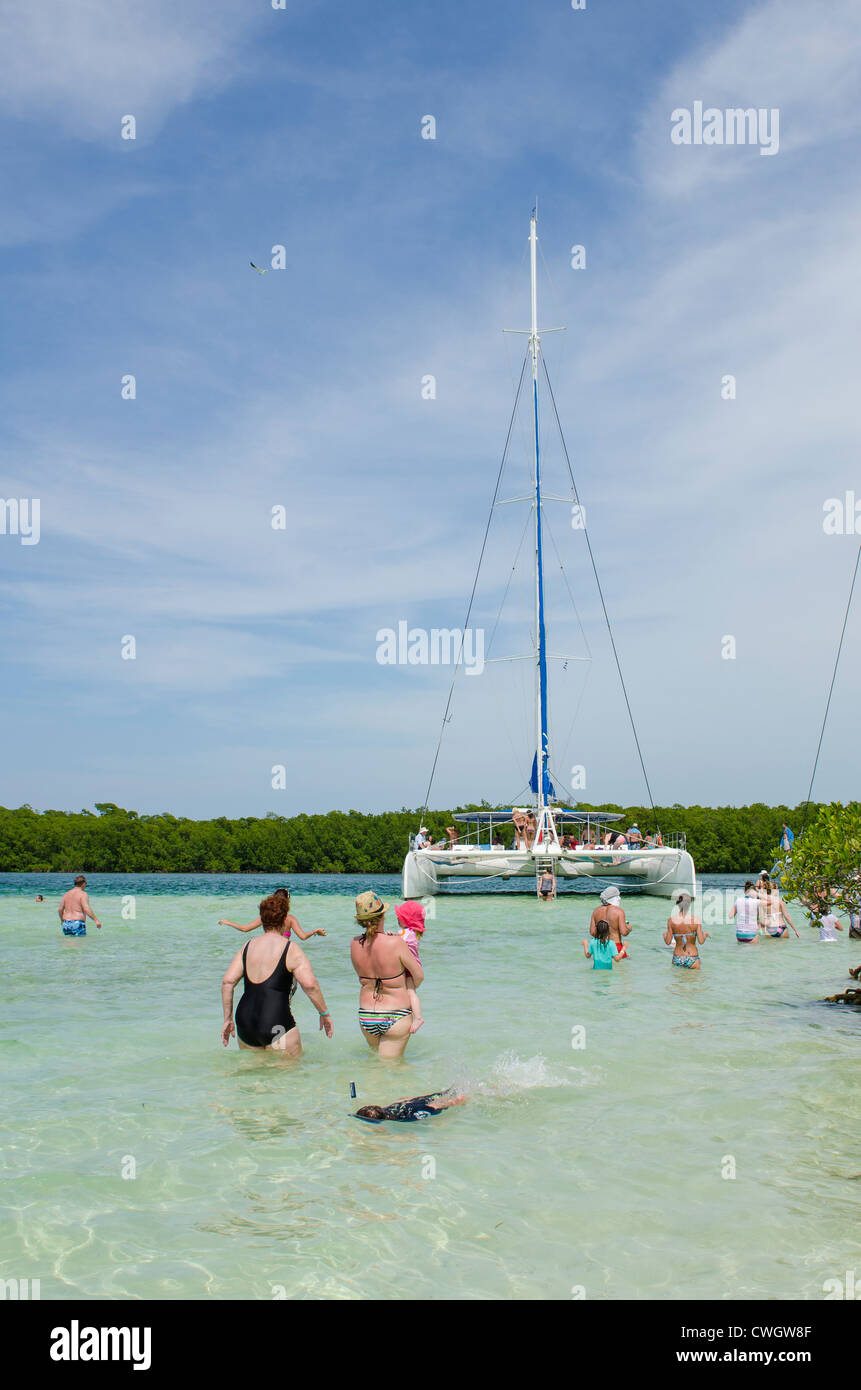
301 127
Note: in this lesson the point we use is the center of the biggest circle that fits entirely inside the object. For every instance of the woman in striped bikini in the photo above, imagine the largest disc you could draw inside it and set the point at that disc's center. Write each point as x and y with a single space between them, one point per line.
382 960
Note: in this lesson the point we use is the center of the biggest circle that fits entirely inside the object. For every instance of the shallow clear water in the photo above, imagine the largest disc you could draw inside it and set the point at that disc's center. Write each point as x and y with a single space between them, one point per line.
599 1167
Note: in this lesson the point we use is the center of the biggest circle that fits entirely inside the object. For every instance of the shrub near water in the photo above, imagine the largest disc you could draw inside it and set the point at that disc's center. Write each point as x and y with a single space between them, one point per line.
725 839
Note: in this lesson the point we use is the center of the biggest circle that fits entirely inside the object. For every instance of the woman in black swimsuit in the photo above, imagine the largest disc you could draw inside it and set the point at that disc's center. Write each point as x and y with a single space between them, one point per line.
271 968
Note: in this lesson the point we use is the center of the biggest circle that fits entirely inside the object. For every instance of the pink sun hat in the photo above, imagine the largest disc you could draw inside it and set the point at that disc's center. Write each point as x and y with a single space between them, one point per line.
411 915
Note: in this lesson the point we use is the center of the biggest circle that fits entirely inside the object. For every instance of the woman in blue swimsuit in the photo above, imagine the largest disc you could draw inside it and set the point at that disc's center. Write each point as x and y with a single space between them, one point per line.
683 932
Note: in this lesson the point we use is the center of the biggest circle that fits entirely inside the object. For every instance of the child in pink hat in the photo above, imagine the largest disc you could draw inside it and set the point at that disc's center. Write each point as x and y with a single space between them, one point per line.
411 916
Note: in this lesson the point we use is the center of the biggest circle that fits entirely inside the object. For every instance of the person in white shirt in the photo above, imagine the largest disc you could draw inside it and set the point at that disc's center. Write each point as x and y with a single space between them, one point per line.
421 841
745 910
829 926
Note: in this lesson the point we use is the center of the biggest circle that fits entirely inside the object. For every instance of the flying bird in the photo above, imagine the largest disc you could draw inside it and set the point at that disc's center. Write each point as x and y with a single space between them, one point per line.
257 268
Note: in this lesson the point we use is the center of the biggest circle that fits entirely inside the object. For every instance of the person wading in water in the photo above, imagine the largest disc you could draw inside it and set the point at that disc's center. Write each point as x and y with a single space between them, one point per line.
612 912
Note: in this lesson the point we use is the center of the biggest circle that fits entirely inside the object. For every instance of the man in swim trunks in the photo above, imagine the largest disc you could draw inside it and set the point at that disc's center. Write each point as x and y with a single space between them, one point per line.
612 911
410 1108
75 908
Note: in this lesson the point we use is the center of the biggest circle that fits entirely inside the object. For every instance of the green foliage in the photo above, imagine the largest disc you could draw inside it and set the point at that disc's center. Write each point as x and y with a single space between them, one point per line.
728 839
823 868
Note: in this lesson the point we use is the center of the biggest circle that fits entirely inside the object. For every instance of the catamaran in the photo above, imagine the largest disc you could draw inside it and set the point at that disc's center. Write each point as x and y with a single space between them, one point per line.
549 839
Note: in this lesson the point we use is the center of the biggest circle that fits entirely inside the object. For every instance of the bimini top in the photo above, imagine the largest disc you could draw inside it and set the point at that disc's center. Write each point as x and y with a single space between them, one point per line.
501 817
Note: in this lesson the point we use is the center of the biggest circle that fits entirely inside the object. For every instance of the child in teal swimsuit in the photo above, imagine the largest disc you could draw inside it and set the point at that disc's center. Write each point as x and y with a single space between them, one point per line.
603 952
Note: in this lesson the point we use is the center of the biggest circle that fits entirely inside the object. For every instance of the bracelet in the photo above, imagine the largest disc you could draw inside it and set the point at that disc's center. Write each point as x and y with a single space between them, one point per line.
324 1013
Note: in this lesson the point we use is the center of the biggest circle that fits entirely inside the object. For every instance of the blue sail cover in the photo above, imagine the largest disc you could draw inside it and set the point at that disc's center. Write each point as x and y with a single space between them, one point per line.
549 789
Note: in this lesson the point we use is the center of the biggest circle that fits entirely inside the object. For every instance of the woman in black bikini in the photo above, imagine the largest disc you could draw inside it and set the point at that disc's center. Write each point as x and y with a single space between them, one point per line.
271 968
383 962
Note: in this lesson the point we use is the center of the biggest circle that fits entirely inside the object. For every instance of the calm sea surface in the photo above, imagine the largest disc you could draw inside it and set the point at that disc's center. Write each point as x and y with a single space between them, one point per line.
597 1167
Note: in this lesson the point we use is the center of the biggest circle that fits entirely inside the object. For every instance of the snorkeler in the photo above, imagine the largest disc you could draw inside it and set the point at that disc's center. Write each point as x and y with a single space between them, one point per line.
410 1108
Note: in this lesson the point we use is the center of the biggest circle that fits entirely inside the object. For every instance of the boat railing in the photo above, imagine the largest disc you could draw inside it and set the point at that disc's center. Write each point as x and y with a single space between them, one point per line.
675 839
472 839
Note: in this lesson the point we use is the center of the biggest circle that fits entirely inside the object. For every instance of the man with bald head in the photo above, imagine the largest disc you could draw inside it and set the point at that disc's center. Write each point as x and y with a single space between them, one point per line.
612 912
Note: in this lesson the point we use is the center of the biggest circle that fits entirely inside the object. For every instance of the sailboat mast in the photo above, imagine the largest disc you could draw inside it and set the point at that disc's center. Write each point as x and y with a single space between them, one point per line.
542 748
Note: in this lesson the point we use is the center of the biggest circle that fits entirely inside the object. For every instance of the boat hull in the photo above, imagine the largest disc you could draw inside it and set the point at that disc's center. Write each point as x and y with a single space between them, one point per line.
660 872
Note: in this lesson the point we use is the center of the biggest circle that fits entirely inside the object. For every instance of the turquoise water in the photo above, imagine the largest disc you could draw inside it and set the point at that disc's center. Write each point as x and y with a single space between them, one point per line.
596 1167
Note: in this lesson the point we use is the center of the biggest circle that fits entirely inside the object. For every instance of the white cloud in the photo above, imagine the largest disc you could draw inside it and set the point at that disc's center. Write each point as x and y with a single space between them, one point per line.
800 58
83 66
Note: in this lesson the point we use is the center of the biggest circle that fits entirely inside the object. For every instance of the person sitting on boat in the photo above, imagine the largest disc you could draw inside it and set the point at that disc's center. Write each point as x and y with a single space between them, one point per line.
612 912
649 842
547 885
498 842
519 819
634 835
421 840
